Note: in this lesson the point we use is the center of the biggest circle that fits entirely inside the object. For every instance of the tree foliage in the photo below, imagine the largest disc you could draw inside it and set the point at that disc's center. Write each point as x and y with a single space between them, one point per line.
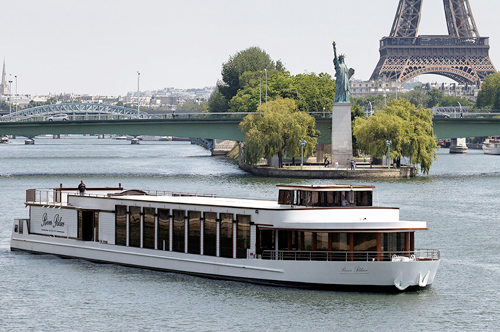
311 92
217 102
252 60
489 95
407 126
276 128
418 96
190 105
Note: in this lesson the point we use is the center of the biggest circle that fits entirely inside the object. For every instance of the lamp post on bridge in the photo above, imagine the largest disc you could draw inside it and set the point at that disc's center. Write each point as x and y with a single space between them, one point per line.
389 143
10 100
17 101
260 91
138 103
265 70
461 113
302 144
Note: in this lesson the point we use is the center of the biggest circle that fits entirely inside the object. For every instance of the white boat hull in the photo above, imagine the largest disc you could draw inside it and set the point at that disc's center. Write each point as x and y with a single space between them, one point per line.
287 272
492 150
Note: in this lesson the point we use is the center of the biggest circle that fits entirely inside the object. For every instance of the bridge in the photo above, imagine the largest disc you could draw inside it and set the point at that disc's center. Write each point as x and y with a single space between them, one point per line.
76 111
105 119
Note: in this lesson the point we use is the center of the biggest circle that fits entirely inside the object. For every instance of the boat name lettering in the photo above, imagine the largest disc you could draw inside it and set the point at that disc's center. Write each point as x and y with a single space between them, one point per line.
353 270
57 222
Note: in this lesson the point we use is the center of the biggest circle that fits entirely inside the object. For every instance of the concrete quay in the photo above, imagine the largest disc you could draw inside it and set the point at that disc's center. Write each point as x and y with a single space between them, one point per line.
321 172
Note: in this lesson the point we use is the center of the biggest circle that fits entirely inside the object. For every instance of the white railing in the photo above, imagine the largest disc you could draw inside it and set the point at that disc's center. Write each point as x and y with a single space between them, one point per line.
346 256
60 197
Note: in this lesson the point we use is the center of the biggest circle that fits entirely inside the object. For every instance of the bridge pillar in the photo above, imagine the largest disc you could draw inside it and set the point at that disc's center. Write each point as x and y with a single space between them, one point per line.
458 145
320 152
341 135
222 147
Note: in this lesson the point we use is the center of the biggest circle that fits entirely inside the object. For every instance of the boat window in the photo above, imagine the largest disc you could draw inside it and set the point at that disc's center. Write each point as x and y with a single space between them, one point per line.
163 229
365 241
194 230
284 197
226 235
134 239
307 244
96 226
266 240
242 236
393 241
322 241
340 242
121 225
364 198
210 234
351 197
315 201
148 238
178 233
305 198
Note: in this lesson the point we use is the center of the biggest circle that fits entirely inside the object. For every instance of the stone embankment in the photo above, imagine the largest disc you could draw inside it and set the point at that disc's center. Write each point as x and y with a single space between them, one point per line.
321 172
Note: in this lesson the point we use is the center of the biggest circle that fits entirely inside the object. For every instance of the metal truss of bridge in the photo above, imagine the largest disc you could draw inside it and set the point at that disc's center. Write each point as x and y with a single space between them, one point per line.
76 111
462 55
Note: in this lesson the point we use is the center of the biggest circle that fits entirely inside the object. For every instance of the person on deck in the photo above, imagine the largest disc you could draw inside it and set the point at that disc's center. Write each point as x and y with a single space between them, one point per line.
81 188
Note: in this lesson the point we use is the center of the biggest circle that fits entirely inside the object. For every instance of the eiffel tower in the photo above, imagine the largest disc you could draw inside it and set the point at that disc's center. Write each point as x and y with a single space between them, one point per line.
462 55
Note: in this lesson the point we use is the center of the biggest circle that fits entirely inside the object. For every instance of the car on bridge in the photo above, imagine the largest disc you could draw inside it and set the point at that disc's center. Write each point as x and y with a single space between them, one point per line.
57 117
441 116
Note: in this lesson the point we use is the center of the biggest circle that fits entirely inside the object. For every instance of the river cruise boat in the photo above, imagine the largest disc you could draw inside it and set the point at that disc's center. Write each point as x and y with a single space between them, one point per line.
311 236
492 145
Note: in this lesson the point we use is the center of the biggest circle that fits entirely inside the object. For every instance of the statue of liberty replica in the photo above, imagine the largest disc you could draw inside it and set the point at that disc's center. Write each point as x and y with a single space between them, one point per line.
342 77
341 113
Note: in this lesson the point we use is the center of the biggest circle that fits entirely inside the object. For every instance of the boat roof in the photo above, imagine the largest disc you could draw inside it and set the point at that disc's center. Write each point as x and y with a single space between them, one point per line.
334 187
201 200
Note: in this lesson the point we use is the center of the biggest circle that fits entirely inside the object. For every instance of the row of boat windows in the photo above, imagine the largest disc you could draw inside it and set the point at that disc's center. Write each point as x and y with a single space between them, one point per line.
325 198
324 241
200 240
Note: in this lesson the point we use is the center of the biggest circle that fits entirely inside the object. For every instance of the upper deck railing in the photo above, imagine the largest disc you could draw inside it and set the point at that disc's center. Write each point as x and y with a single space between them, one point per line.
346 256
59 197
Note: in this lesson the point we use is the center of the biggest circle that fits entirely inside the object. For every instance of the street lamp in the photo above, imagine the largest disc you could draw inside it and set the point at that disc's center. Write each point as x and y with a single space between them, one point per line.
461 114
260 91
17 101
389 143
371 110
302 144
138 77
265 70
10 100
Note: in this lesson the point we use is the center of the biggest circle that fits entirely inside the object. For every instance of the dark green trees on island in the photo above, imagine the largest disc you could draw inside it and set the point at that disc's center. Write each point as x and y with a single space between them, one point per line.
276 128
407 126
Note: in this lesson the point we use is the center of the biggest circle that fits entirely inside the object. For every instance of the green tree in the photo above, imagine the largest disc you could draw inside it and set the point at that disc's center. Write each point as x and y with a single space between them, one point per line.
407 126
488 96
217 102
435 97
311 92
276 128
192 106
253 59
315 92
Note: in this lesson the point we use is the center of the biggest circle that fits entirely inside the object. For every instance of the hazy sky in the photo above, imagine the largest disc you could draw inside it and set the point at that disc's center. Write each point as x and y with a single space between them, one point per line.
97 46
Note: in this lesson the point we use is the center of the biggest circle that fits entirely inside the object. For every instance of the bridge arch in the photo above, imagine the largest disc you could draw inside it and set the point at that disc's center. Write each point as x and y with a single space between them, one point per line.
461 72
77 111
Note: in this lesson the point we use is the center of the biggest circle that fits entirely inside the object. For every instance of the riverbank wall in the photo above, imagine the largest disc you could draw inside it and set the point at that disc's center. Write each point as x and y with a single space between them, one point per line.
321 172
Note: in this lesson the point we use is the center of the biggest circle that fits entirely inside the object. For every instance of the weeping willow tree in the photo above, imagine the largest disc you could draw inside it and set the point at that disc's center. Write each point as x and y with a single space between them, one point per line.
407 126
276 128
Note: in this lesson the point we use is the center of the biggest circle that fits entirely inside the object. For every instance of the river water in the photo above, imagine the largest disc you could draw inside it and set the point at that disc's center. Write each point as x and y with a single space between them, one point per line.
460 200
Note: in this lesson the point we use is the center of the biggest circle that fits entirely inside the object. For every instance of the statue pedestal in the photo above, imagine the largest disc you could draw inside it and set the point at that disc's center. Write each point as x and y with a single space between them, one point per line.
341 135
